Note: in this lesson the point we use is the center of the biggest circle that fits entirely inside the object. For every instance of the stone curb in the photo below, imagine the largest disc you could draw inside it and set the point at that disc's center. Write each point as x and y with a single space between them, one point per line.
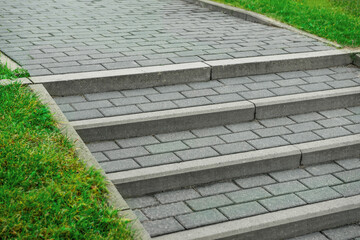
12 65
357 60
171 176
283 224
24 81
132 78
257 18
114 197
165 177
306 102
142 124
278 63
164 121
143 77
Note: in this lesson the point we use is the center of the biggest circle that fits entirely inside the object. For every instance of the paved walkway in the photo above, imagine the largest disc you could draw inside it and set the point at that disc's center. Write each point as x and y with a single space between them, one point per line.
66 36
197 206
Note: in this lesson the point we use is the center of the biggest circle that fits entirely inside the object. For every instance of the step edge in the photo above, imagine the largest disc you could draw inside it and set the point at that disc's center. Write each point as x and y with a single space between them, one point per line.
280 219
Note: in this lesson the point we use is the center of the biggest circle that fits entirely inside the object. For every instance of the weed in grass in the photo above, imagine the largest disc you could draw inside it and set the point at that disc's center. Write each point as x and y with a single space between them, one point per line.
46 192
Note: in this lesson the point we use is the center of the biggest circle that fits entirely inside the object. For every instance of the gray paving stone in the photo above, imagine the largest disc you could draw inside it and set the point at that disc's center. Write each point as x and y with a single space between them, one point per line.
66 108
286 90
318 72
208 202
163 226
165 96
126 153
233 148
254 181
317 79
199 93
243 210
336 113
315 87
102 146
120 165
236 80
157 159
166 147
324 169
102 96
139 92
303 127
92 105
166 210
332 132
320 181
100 157
306 117
349 176
319 195
274 131
274 122
349 163
114 111
294 74
240 127
129 100
241 136
225 98
311 236
282 202
192 102
156 106
334 122
81 115
355 128
285 187
69 99
202 218
290 82
348 189
173 88
231 88
203 142
343 233
288 175
175 136
354 118
354 109
265 77
216 188
301 137
268 142
197 153
261 85
138 141
248 195
205 85
205 132
257 94
177 195
141 202
140 215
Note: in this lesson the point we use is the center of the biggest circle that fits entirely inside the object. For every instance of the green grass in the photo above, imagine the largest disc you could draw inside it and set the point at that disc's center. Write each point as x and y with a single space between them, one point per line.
6 73
335 20
45 191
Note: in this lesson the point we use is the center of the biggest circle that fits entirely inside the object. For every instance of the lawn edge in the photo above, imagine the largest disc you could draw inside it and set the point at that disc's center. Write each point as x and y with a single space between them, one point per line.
258 18
114 197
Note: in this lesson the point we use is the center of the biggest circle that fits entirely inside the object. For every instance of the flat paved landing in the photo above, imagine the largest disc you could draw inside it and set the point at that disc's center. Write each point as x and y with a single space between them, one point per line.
68 36
202 205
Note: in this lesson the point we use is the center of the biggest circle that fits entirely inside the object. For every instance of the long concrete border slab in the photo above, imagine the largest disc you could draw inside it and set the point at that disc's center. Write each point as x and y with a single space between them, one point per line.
283 224
160 178
257 18
112 80
171 176
164 121
278 63
132 78
114 197
135 125
306 102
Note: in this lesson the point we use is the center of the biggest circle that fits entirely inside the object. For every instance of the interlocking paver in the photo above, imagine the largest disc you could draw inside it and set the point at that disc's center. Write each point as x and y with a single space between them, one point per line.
202 218
289 175
163 226
348 189
166 210
324 169
349 163
320 181
120 165
343 233
243 210
208 202
197 153
282 202
177 195
319 194
248 195
216 188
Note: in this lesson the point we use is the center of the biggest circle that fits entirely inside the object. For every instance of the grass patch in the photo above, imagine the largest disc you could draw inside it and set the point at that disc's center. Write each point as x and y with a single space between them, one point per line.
45 191
6 73
335 20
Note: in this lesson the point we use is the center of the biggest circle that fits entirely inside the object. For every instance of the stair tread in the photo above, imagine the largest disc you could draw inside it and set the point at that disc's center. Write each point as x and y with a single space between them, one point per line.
161 149
201 205
119 103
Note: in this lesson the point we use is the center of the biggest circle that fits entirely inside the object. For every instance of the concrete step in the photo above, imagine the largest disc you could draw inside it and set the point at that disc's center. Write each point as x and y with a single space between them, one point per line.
144 77
140 112
177 159
276 205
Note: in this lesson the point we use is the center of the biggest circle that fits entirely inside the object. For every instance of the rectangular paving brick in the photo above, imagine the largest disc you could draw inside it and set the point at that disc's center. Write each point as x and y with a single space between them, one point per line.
102 146
177 195
288 175
268 142
318 195
141 202
349 163
202 218
243 210
126 153
166 210
323 169
348 189
138 141
163 226
216 188
166 147
320 181
233 148
282 202
157 159
349 176
202 142
208 202
248 195
197 153
119 165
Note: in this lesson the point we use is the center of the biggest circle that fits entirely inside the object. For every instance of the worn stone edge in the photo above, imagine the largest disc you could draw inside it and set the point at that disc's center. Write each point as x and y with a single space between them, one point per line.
280 224
259 18
114 197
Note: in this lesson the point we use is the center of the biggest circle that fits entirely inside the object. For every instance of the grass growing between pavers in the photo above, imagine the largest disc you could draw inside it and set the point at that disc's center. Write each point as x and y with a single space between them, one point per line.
7 73
46 192
335 20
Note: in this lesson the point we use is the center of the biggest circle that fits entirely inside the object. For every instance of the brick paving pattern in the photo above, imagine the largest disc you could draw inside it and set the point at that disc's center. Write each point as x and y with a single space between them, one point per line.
201 205
160 149
117 103
63 36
